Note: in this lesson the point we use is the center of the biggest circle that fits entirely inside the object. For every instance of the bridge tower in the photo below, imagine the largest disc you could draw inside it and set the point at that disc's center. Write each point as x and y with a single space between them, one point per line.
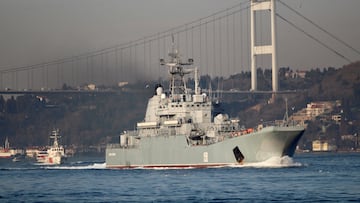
260 5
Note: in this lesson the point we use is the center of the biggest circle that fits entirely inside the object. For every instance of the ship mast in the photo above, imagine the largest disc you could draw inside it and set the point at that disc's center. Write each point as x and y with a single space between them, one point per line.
55 135
177 72
7 144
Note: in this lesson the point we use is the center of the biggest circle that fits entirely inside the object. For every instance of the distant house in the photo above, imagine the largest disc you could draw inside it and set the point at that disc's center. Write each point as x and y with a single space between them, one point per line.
348 137
301 73
296 74
122 84
315 109
336 118
91 87
320 146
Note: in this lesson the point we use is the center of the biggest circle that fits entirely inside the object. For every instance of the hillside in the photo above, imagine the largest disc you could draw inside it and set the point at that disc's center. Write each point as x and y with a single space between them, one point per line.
328 85
343 83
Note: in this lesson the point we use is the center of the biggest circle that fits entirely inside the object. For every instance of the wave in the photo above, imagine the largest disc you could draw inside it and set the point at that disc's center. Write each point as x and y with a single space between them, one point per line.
18 168
273 162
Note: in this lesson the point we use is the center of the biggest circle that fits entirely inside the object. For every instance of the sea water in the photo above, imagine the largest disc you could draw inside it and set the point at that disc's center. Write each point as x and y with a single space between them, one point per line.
327 177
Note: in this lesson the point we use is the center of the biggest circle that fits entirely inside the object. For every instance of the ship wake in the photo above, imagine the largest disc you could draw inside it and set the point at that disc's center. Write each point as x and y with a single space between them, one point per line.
92 166
273 162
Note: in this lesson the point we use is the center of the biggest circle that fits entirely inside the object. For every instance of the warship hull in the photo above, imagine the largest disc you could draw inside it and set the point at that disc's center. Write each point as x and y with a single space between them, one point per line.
175 150
187 128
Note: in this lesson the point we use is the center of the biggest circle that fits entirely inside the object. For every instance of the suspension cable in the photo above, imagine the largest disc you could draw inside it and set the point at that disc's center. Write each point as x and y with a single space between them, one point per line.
312 37
319 27
163 34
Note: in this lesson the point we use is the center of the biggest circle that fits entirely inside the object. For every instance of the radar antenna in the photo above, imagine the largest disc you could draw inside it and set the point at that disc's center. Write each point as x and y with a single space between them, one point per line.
177 71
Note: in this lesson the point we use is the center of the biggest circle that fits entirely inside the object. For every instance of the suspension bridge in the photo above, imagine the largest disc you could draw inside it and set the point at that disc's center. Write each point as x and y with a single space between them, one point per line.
227 42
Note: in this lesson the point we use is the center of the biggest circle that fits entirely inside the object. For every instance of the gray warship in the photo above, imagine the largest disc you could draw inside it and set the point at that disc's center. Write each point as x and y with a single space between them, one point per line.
182 130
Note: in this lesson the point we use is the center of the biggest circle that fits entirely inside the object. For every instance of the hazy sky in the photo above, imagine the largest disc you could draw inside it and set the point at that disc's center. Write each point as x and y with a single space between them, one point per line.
35 31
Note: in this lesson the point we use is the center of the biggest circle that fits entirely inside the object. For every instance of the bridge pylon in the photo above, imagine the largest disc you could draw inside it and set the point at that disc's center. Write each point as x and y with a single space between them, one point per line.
260 5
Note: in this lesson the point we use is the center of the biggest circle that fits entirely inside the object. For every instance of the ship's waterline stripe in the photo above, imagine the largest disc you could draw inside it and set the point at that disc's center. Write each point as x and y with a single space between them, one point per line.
171 165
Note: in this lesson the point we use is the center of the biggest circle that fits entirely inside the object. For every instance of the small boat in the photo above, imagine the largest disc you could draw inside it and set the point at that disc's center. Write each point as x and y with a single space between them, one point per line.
54 154
18 157
5 151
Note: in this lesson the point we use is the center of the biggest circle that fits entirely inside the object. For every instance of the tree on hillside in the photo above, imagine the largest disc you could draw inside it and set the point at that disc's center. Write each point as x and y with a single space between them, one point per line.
11 105
2 104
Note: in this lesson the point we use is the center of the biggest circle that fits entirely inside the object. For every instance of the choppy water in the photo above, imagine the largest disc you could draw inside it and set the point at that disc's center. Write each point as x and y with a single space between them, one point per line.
306 178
